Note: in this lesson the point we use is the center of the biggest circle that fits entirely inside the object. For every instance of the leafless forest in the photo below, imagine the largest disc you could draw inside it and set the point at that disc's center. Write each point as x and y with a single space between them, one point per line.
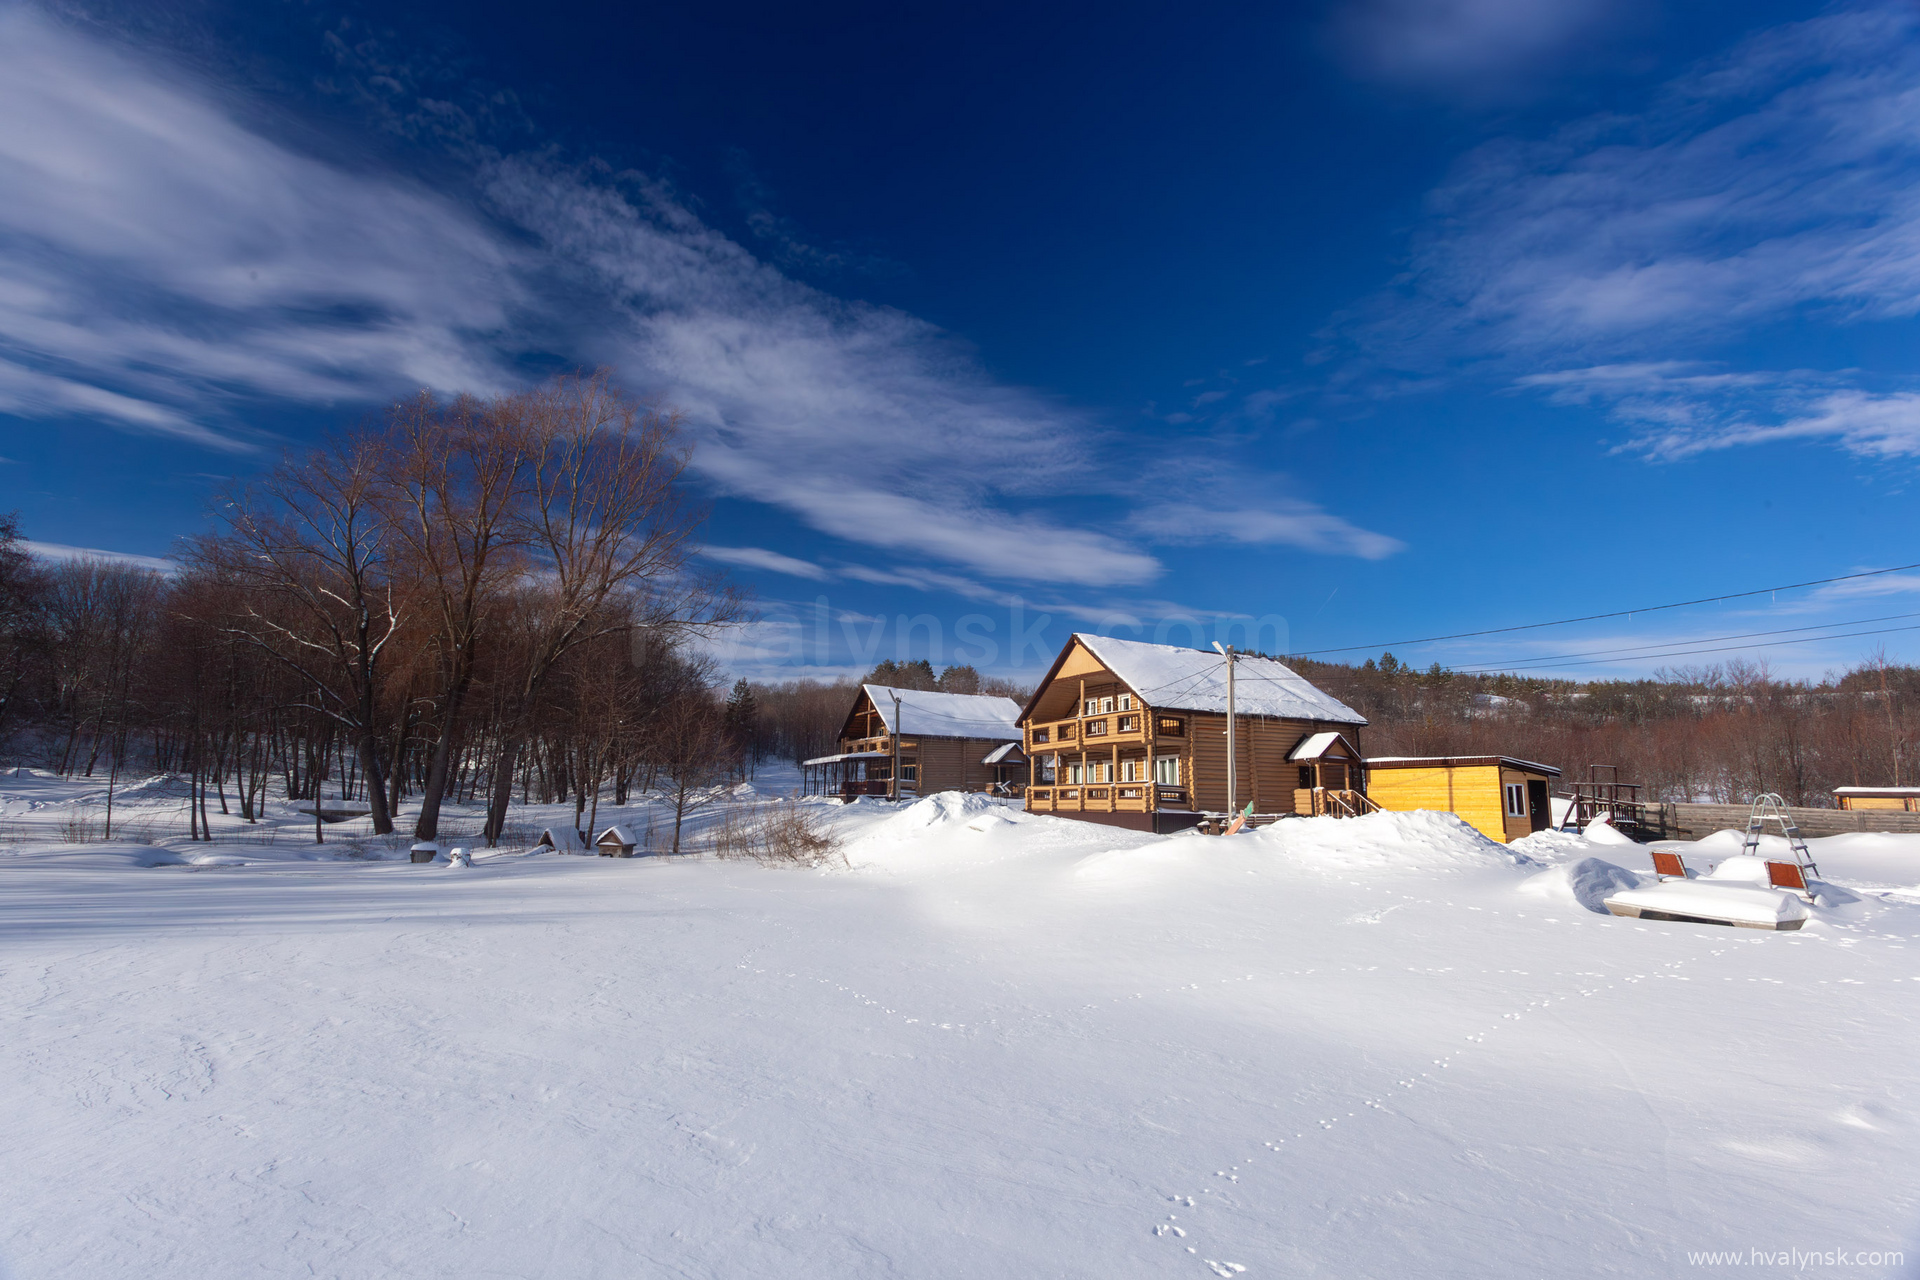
471 599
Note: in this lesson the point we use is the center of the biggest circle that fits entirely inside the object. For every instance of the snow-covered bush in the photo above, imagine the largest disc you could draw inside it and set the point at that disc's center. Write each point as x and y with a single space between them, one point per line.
784 832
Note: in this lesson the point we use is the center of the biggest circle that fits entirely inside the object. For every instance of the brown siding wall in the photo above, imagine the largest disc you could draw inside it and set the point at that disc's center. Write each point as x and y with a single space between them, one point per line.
953 764
1266 778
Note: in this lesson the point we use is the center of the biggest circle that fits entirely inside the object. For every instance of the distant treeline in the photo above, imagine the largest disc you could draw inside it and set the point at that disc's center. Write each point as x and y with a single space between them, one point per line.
464 599
1719 733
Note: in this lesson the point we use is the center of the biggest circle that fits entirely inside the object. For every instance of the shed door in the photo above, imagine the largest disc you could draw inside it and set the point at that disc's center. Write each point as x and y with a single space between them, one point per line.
1538 807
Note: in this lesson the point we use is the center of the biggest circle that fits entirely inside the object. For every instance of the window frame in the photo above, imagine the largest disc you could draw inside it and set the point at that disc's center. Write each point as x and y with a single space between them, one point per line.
1173 761
1516 795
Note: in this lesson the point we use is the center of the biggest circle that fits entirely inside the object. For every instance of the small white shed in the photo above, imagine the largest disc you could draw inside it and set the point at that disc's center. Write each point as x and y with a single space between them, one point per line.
562 840
615 842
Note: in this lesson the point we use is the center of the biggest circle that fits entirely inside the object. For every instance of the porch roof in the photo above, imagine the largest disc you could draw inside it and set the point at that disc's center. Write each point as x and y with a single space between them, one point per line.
848 755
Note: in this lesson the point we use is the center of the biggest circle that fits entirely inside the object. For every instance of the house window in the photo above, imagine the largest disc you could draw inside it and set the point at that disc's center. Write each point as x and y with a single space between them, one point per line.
1039 735
1129 724
1102 772
1076 774
1516 799
909 773
1126 702
1093 707
1173 727
1133 771
1166 771
1106 705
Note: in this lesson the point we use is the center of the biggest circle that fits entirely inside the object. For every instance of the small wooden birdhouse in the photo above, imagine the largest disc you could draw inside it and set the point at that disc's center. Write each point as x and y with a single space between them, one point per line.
615 842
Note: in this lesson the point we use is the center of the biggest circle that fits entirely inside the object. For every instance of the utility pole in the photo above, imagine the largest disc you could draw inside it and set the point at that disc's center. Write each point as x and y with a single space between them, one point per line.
1233 770
895 786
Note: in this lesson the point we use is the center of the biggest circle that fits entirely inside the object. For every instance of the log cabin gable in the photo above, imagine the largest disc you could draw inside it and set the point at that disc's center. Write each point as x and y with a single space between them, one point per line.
863 722
1075 676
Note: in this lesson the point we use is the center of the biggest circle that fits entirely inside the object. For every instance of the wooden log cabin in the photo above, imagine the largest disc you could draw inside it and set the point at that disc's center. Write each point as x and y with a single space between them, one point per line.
947 742
1134 735
1500 797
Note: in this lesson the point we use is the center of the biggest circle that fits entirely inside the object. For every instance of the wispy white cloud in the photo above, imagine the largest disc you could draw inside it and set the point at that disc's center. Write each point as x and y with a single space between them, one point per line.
867 423
771 561
1676 409
1281 522
61 551
1891 584
1776 178
159 261
164 263
1774 182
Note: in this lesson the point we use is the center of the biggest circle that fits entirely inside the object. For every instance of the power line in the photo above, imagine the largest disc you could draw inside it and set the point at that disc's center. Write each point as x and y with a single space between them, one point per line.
1622 613
1770 644
1480 667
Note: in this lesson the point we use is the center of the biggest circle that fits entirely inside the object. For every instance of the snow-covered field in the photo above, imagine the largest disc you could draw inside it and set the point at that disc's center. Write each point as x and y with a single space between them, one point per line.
994 1045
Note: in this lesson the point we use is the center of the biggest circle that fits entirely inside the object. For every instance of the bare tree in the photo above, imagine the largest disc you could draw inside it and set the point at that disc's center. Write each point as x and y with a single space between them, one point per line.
609 535
313 555
457 485
694 755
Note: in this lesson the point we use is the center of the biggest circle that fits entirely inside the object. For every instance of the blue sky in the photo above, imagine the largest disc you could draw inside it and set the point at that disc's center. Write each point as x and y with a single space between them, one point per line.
1309 326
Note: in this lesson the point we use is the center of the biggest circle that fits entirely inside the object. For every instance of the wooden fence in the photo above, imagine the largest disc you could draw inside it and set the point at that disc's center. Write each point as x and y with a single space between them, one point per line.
1692 821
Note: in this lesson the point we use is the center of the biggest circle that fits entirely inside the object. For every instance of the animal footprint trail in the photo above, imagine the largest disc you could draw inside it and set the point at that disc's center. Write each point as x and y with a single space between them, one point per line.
1583 985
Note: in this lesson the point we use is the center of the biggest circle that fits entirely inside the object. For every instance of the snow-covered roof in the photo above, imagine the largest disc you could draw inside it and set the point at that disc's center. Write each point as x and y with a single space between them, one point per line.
562 838
1170 678
850 755
1315 745
947 715
1876 791
619 835
1001 752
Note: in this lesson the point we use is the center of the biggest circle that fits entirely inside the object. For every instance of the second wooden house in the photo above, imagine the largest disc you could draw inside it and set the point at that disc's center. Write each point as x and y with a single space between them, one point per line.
941 742
1134 734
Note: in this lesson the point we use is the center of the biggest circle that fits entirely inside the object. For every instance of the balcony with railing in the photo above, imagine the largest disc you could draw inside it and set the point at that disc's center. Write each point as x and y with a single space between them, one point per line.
1089 731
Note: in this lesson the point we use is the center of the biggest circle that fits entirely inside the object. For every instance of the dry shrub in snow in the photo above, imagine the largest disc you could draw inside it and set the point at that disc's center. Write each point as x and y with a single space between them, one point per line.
784 833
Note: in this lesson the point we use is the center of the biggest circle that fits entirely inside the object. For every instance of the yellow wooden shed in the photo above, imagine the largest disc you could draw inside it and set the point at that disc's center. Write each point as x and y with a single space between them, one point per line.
1499 796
